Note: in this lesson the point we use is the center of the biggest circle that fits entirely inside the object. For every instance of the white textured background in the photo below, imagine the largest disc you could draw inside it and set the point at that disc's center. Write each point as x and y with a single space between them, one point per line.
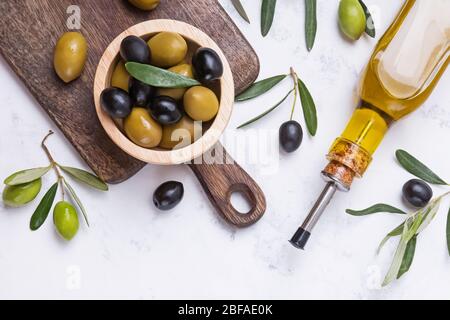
133 251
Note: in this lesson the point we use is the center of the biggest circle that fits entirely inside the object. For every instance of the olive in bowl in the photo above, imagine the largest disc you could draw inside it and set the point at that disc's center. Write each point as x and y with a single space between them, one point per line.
142 129
180 134
165 110
141 94
201 103
168 49
135 49
116 102
178 93
207 64
120 77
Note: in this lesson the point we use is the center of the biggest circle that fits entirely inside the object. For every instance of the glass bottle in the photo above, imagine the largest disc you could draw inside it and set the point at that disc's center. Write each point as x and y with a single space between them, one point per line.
402 72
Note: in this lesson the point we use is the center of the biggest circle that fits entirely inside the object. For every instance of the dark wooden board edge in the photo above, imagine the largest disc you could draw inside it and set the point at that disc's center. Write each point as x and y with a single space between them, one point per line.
133 165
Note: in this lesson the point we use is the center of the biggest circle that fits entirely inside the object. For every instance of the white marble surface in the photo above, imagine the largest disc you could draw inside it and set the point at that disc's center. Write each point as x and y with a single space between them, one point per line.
133 251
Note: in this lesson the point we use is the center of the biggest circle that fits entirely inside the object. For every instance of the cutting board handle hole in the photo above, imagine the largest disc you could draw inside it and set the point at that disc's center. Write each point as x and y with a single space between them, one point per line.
241 202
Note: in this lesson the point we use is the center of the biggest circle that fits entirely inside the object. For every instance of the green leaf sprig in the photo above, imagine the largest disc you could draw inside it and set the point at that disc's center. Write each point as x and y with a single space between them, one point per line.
41 213
414 224
268 8
417 168
377 208
240 9
261 87
266 112
310 23
45 205
267 14
158 77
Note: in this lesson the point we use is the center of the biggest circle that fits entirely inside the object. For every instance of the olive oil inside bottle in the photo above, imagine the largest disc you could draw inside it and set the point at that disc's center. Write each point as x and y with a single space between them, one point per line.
403 71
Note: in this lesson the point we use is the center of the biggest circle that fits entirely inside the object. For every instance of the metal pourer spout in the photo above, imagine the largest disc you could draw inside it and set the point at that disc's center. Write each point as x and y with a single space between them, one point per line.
303 233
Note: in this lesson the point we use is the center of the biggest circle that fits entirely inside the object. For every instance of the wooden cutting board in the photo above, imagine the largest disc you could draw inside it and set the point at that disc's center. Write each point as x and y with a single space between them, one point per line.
29 30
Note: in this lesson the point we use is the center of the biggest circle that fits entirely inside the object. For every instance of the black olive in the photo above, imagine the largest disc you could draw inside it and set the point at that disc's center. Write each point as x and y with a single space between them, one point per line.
207 65
291 136
165 110
168 195
135 49
116 102
140 93
417 192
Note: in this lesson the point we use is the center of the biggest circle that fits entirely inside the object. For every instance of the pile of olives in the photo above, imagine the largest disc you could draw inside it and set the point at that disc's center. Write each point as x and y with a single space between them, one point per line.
163 117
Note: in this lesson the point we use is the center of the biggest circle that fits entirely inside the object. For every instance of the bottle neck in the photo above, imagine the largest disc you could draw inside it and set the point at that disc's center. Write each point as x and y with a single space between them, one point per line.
351 153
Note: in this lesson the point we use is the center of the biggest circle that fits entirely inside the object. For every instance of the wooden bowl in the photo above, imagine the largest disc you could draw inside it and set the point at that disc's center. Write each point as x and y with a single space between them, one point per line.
224 90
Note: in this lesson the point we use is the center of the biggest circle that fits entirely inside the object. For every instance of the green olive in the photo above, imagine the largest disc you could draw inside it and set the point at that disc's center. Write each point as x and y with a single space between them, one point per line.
352 19
145 4
142 129
180 134
201 103
177 94
70 56
168 49
20 195
65 218
120 77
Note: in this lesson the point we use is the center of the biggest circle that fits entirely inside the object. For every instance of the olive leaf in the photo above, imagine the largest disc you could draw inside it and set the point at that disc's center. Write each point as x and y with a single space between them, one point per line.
394 233
408 257
267 14
417 168
260 87
240 9
413 226
158 77
86 178
41 213
77 200
26 176
266 112
448 231
309 108
396 263
370 25
377 208
429 213
310 23
398 257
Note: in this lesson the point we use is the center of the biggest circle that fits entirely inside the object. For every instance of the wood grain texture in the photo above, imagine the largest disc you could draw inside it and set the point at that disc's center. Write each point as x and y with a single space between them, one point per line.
29 30
220 181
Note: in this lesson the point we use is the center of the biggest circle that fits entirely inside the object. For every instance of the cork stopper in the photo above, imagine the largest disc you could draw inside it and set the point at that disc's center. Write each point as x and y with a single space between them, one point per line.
347 161
341 173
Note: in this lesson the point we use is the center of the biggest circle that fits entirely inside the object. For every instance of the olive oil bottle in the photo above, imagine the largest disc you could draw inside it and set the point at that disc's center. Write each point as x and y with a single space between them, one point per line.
404 69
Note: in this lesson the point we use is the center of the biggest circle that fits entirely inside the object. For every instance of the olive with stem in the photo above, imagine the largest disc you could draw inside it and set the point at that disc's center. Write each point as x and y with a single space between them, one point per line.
291 132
